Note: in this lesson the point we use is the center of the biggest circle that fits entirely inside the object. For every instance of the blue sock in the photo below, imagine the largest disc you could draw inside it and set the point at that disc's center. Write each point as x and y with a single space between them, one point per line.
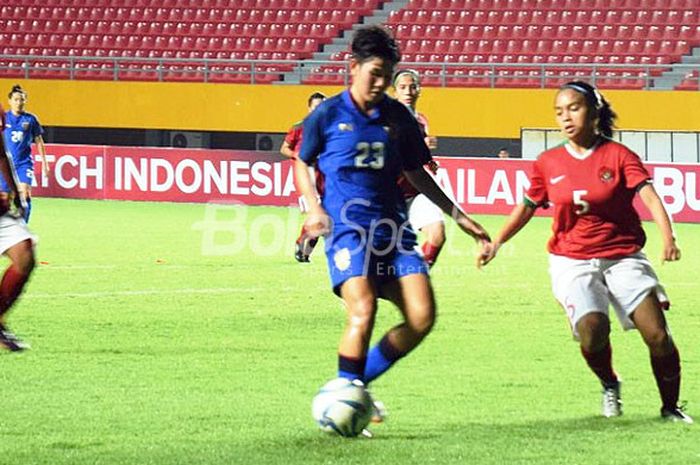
351 368
380 358
28 210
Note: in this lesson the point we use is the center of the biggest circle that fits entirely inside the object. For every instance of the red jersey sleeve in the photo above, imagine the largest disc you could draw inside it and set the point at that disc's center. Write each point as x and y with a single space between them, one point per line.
537 193
293 137
633 170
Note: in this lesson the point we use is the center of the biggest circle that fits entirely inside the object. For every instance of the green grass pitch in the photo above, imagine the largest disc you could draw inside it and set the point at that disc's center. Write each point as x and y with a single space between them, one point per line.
186 334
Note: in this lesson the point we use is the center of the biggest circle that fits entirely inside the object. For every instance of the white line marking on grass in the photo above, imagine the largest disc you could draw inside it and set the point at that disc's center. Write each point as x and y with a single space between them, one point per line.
144 292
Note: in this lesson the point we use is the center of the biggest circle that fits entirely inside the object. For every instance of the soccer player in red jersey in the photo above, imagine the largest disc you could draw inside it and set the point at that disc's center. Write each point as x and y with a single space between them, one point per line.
423 214
17 243
304 244
596 257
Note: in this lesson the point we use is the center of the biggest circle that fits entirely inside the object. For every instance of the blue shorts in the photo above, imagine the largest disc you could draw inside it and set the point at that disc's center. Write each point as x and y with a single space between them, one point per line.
384 262
25 174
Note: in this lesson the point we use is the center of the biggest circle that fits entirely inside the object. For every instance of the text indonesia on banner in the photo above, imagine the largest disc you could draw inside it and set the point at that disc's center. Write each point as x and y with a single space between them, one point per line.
489 186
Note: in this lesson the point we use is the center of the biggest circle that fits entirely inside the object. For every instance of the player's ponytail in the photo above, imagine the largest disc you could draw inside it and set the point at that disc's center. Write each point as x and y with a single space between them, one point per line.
16 88
595 101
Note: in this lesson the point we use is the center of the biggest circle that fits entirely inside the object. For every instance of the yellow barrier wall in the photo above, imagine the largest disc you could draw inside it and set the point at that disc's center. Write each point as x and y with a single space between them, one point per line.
497 113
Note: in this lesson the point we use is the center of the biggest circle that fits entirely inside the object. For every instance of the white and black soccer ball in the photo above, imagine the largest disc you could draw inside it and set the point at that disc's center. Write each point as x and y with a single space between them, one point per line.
343 407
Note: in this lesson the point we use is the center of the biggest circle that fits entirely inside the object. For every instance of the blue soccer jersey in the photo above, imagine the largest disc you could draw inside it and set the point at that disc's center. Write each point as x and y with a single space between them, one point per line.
20 132
361 157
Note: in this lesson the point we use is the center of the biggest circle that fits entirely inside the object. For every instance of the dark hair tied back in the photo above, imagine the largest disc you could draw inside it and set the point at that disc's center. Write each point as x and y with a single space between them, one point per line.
595 101
16 88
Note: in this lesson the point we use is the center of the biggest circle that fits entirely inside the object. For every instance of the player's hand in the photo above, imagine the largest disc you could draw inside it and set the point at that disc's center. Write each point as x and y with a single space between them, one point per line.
432 166
317 222
488 253
671 252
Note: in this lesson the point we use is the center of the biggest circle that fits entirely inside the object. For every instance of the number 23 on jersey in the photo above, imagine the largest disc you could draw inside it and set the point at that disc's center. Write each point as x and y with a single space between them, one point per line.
370 155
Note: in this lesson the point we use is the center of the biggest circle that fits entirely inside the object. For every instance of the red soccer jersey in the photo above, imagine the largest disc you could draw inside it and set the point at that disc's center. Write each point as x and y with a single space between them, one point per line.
592 196
293 137
405 185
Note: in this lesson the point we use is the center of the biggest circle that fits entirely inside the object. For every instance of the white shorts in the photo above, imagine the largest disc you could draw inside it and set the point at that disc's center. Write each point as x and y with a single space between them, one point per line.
422 212
588 286
13 231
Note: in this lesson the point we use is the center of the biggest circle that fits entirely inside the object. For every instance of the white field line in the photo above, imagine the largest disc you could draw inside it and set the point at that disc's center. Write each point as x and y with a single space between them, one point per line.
145 292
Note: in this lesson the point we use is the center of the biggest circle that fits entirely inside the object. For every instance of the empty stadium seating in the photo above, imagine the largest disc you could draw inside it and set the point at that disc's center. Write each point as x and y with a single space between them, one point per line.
458 42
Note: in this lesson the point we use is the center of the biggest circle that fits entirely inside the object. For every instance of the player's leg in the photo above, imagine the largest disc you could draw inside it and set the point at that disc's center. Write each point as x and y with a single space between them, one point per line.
639 300
665 359
360 299
413 295
434 241
21 256
580 288
25 190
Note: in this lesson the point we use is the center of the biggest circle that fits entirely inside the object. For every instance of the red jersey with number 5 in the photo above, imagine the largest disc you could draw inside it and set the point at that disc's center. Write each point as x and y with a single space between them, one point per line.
592 196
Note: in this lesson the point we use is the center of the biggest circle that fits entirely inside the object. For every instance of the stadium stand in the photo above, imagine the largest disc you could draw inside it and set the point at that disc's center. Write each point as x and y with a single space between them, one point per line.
502 43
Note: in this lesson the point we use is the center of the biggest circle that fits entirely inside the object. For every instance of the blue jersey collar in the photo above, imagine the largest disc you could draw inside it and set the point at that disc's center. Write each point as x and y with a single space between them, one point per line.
374 114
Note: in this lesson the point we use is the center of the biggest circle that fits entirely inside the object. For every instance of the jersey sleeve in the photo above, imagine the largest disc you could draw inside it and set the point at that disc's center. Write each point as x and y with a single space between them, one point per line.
537 193
414 152
634 171
313 142
36 128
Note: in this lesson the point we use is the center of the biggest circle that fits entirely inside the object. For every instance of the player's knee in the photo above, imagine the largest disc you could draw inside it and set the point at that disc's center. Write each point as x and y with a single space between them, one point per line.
422 321
658 340
593 330
24 260
361 313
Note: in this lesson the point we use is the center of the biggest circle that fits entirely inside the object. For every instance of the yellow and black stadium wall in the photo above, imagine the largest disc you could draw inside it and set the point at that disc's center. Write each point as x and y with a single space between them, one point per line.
122 113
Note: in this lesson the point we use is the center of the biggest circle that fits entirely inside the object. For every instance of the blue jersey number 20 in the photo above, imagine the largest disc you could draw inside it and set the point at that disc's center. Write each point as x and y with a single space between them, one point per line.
370 156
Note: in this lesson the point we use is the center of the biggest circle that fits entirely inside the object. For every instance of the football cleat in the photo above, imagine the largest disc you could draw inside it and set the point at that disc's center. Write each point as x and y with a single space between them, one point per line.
676 414
612 405
303 248
10 342
299 252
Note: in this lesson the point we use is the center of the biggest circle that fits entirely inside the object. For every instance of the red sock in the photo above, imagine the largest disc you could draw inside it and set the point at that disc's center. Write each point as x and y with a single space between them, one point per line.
430 253
601 364
667 371
11 287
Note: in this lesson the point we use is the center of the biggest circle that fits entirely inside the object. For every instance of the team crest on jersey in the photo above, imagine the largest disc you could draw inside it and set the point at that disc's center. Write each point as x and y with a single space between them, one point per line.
342 259
345 127
25 125
606 174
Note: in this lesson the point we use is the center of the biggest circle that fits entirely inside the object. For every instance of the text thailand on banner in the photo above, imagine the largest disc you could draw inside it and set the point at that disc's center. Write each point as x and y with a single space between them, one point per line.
482 186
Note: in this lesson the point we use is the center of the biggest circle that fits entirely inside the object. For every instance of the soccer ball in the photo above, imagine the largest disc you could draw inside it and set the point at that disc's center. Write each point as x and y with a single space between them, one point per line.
343 407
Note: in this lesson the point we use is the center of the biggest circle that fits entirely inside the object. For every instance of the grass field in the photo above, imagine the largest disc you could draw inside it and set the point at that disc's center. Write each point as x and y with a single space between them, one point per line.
153 344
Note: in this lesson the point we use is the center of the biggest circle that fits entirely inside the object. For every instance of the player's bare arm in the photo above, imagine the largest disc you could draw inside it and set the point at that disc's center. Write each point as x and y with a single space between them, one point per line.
652 201
422 181
518 218
287 151
45 168
317 221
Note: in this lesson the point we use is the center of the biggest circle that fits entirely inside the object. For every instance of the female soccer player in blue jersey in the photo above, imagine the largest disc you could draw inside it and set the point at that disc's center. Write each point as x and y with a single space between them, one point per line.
362 141
21 130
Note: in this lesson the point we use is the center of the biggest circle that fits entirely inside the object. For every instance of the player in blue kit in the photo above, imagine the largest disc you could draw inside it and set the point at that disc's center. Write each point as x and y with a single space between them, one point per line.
21 130
362 141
